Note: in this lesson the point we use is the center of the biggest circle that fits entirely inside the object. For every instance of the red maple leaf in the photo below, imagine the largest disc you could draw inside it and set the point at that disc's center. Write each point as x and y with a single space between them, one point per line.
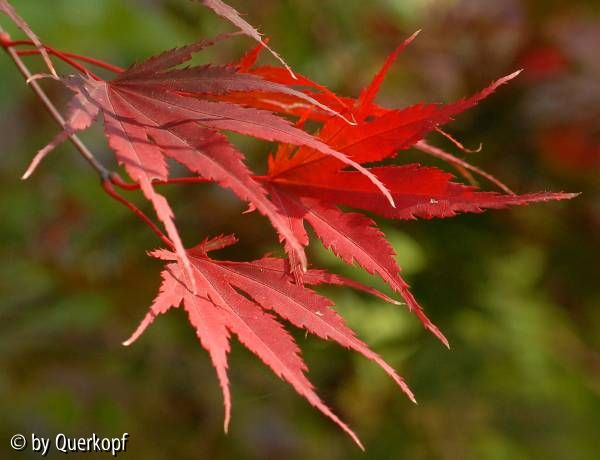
309 186
218 308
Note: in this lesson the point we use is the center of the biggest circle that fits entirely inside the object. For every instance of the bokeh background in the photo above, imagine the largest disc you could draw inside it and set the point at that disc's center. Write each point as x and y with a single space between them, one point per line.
517 292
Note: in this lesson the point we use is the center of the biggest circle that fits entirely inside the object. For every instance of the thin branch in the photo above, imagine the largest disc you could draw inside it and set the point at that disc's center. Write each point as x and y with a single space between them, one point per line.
53 111
107 177
9 10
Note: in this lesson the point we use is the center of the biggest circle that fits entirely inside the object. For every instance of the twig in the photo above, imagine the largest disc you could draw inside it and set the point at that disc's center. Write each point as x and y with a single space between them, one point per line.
51 108
106 176
108 187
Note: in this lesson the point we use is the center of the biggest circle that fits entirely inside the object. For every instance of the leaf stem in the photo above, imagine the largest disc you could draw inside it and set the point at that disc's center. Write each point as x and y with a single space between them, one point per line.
61 54
64 58
108 187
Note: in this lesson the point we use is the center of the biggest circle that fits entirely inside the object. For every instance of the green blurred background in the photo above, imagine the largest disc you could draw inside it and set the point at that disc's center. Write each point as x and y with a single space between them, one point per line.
516 292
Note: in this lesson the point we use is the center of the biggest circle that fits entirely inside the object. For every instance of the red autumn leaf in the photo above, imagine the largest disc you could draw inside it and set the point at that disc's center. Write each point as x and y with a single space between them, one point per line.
218 308
308 186
151 112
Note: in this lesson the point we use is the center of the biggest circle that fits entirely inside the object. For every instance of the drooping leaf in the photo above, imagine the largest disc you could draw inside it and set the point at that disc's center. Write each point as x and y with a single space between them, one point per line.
218 307
208 80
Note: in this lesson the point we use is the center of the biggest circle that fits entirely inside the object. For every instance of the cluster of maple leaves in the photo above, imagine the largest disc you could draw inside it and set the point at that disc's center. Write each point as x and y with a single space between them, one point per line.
158 110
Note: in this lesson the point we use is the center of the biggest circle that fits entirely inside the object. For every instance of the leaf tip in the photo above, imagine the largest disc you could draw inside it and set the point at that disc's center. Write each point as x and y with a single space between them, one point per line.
140 330
439 334
444 340
36 161
414 35
291 72
514 74
360 444
226 424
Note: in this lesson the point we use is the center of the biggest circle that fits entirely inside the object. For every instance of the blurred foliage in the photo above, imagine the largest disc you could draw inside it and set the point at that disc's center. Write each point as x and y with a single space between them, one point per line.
517 292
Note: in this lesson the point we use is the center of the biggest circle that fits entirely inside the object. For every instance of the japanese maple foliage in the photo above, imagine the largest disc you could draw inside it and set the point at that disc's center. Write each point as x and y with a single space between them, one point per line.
161 109
218 307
